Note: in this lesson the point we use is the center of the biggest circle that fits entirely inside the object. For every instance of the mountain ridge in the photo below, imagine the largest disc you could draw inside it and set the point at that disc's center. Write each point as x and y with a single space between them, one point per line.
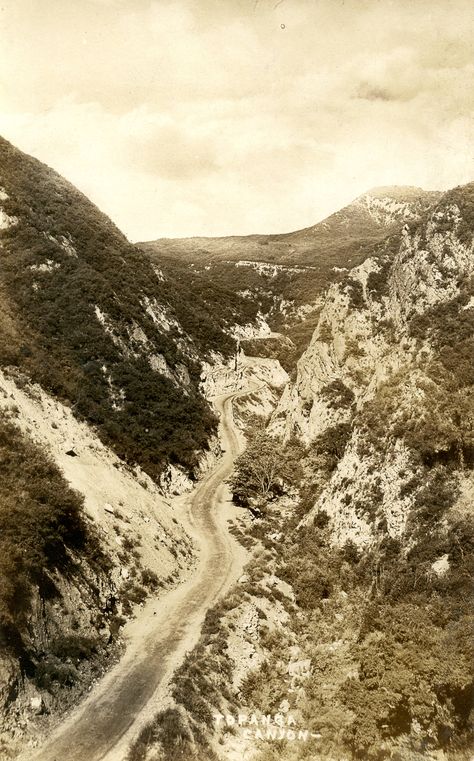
286 275
296 246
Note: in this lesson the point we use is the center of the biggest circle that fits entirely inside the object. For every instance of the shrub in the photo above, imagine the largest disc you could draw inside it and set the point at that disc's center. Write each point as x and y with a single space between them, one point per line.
325 332
73 646
149 579
262 472
336 394
171 732
332 442
397 687
42 527
356 294
52 671
321 519
310 569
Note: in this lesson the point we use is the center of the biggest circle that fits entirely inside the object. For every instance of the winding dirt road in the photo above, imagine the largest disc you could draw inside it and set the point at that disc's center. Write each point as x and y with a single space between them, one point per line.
104 724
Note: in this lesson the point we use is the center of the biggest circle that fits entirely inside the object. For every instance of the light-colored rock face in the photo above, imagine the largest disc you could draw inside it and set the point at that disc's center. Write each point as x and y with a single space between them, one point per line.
66 243
6 220
356 494
257 329
137 344
265 268
386 211
427 271
344 347
221 376
47 266
9 680
441 566
243 643
159 314
362 341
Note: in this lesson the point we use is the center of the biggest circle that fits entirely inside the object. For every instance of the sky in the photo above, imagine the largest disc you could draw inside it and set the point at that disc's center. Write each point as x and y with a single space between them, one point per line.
219 117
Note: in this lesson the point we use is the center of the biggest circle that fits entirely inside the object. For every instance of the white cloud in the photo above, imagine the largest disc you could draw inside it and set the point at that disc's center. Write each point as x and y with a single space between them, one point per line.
184 117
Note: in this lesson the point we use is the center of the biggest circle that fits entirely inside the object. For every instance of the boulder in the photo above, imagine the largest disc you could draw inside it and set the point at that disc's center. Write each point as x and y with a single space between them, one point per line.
36 704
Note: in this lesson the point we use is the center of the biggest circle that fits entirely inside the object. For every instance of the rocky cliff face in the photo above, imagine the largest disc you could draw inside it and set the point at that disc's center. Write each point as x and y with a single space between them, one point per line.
379 357
378 545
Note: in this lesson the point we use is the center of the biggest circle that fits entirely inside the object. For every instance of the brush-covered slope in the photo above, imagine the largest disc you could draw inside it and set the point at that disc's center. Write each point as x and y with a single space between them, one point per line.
83 538
87 315
99 371
384 405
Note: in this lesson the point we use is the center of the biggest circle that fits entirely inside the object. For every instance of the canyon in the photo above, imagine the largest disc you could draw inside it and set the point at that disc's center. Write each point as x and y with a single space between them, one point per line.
150 582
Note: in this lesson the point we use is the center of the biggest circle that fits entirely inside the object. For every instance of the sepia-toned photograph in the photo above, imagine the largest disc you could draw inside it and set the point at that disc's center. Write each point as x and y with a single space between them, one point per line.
236 380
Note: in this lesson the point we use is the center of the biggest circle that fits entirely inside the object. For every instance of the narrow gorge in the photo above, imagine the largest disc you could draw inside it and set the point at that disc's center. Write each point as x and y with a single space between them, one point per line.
236 481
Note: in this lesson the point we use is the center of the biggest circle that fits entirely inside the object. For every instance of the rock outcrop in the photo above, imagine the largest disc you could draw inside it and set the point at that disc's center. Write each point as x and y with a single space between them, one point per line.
374 354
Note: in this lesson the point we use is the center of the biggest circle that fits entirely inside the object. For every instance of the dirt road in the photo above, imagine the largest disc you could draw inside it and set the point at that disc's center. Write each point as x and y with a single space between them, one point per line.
103 726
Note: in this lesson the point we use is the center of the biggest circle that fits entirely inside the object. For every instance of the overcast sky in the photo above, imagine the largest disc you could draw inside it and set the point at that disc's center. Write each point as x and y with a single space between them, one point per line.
211 117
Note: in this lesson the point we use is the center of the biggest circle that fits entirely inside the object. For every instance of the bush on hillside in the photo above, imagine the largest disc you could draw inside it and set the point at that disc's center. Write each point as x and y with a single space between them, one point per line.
336 394
42 528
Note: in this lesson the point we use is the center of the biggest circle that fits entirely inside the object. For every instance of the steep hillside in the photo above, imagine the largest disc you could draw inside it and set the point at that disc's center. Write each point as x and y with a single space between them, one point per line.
87 316
349 637
100 413
383 403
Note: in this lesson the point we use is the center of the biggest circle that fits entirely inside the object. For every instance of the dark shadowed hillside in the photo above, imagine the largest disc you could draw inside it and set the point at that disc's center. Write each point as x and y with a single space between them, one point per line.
88 316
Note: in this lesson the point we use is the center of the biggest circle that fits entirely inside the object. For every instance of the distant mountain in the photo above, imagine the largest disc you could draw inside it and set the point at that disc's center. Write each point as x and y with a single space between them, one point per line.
336 241
286 275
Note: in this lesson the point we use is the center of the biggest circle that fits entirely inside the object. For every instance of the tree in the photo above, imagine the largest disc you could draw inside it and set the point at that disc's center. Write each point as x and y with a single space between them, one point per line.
260 472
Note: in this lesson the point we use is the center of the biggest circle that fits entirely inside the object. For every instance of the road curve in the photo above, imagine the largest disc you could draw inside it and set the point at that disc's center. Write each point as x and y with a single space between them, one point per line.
101 727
